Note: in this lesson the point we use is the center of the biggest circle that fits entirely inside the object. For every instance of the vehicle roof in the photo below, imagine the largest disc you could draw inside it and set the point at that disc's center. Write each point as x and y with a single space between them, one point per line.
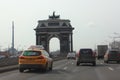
36 47
71 53
33 50
85 48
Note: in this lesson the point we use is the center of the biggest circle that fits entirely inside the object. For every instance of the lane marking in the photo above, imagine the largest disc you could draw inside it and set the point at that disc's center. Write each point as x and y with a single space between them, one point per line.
100 75
110 68
65 68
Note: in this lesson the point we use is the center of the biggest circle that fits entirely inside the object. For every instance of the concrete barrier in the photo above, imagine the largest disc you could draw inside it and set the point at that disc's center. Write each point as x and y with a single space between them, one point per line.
8 61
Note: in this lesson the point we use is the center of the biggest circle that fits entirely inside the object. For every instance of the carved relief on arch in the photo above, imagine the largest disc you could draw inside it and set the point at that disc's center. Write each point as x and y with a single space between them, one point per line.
42 25
53 35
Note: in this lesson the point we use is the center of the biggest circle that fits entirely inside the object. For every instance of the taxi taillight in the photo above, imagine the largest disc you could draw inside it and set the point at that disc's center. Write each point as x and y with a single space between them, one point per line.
22 57
41 57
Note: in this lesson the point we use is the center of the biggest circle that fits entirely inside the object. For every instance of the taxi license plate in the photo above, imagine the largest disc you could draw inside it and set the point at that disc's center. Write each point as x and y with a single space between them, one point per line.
30 59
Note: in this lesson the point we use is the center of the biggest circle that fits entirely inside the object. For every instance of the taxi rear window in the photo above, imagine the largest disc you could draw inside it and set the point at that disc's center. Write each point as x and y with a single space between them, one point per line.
31 53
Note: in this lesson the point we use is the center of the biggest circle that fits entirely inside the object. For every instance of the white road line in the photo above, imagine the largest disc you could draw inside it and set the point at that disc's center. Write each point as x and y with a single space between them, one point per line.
110 68
100 75
65 68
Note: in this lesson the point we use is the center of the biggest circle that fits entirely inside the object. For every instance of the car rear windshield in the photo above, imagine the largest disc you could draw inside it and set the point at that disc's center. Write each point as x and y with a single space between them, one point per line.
85 51
31 53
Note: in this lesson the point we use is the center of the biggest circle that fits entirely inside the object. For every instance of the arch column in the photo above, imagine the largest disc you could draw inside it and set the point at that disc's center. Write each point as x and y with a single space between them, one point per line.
71 42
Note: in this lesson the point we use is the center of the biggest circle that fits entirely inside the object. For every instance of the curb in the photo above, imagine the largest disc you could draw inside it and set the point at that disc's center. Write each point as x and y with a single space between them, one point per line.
8 68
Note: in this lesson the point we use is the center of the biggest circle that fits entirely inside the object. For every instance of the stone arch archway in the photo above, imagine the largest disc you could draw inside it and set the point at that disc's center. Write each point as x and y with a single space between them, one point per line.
49 39
55 27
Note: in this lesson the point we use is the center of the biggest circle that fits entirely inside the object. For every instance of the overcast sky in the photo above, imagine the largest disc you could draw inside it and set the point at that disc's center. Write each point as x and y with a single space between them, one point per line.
94 20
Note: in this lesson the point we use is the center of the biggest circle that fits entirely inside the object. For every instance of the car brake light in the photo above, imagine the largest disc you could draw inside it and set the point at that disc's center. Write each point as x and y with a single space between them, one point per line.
22 57
78 54
41 57
93 54
119 54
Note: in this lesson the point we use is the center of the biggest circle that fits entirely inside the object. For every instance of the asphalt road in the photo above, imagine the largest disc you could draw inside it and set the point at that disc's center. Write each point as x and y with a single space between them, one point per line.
67 70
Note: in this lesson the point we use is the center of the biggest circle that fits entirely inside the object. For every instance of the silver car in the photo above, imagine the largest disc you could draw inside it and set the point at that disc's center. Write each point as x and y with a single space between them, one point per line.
71 55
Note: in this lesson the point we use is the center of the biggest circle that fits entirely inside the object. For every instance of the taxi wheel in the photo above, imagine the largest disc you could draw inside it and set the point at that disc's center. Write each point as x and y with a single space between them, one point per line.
46 68
21 70
51 66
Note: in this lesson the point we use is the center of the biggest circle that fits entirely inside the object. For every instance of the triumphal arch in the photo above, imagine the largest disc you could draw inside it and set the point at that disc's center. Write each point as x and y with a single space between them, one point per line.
55 27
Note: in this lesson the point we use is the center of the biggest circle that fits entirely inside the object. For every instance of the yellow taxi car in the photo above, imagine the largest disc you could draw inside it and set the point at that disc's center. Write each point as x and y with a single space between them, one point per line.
35 58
